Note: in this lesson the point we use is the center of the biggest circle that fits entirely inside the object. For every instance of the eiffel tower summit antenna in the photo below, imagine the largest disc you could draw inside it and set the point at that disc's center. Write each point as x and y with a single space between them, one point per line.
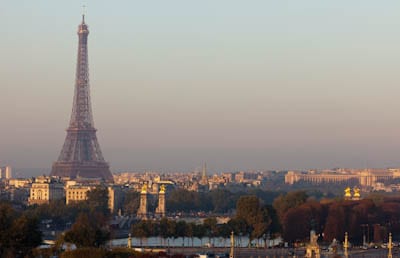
81 155
83 13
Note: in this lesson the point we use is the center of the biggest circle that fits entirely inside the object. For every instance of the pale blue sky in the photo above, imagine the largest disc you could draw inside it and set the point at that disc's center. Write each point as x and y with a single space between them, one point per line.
239 84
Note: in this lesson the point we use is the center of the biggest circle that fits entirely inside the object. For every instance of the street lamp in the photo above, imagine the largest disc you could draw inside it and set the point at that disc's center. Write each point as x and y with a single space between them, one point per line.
265 240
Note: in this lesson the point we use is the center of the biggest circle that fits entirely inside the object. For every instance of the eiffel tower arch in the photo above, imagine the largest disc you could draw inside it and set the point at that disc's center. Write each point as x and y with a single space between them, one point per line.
81 155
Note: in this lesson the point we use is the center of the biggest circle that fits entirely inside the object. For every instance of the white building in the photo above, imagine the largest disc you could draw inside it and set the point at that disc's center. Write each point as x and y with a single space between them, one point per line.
46 189
77 193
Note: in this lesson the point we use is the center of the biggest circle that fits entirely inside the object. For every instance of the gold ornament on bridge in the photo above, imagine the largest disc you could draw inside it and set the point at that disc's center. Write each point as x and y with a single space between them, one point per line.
356 195
162 189
347 193
144 188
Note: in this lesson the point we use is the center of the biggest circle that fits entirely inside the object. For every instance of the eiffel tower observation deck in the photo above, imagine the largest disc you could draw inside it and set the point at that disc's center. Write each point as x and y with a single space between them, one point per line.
81 155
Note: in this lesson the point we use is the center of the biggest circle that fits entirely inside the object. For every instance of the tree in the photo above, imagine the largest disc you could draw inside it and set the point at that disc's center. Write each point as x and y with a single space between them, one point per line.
291 200
190 230
25 234
222 200
311 216
180 230
238 225
142 230
19 234
335 222
7 215
210 225
88 233
131 202
184 200
163 228
97 200
256 217
199 232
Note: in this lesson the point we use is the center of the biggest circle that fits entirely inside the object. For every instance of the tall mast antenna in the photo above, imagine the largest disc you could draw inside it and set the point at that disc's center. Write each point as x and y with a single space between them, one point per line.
83 13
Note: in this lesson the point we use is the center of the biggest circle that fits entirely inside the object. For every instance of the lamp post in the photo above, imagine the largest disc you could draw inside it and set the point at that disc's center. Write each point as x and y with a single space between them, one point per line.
365 238
129 245
232 251
390 246
265 240
346 245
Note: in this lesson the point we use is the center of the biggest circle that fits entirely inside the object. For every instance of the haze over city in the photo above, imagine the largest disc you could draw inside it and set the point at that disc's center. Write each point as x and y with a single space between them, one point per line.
260 85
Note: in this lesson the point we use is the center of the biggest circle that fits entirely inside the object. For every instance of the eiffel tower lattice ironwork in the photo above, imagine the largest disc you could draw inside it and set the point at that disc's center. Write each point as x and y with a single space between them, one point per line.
81 155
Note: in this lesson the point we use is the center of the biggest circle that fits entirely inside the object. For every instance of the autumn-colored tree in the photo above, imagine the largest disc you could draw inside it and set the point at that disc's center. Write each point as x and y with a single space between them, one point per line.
335 222
291 200
298 221
256 216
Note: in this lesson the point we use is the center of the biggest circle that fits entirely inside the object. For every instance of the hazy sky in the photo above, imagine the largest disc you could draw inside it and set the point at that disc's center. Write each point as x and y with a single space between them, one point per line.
239 84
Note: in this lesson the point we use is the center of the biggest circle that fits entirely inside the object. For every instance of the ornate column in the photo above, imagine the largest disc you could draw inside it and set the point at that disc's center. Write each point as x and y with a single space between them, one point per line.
160 210
142 212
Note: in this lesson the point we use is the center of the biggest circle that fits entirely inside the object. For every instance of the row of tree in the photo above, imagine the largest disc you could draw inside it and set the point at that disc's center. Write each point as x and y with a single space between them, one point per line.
252 219
292 216
182 200
19 233
332 219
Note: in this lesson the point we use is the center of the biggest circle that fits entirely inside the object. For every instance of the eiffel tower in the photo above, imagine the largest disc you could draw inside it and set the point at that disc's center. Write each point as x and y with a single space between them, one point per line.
81 155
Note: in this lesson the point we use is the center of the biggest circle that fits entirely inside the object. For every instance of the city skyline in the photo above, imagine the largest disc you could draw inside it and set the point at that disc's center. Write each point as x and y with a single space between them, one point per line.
241 86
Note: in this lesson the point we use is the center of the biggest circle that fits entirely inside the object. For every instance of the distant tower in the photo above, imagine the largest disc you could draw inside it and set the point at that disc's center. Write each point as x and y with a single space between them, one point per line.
5 172
81 155
160 210
204 179
142 212
8 172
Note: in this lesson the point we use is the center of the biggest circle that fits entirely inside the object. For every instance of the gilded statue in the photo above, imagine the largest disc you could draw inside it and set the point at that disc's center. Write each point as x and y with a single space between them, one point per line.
144 188
162 188
347 192
356 192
